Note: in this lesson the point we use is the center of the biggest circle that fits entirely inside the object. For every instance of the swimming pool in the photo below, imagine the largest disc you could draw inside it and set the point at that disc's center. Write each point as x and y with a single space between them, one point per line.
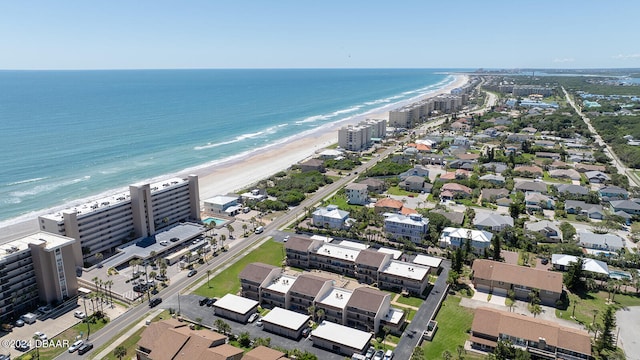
615 274
215 220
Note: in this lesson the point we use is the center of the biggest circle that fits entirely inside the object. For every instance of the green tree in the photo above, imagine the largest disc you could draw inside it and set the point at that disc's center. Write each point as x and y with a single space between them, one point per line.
606 339
244 339
446 355
120 352
418 353
573 276
496 250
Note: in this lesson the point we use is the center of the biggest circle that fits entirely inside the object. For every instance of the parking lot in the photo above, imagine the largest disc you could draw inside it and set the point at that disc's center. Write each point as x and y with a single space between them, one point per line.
191 309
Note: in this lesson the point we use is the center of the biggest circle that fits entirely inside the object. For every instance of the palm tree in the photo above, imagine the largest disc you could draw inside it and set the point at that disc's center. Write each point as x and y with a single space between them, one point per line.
244 227
120 352
386 330
99 257
446 355
35 337
312 311
320 314
108 284
222 239
209 274
231 230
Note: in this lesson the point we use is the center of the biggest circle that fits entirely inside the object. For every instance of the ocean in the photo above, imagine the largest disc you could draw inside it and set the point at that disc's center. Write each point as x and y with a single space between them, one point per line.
71 135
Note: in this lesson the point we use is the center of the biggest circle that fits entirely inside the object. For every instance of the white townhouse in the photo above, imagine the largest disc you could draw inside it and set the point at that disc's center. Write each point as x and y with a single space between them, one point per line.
457 237
412 227
357 194
330 217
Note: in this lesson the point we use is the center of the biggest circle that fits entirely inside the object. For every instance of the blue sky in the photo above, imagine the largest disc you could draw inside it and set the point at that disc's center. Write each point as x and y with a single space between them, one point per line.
135 34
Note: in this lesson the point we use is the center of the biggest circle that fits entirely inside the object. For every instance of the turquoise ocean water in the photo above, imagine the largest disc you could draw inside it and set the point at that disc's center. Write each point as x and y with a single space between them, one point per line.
70 135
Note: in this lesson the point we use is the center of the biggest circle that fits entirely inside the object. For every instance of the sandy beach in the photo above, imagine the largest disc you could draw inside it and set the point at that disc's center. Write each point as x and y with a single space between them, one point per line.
227 178
239 173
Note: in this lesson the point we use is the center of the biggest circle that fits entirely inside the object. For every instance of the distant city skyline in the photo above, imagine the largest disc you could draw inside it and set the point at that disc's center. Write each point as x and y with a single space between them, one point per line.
167 34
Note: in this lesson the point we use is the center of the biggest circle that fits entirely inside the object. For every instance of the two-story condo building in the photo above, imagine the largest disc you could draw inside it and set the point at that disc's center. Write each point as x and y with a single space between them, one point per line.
306 290
400 276
255 276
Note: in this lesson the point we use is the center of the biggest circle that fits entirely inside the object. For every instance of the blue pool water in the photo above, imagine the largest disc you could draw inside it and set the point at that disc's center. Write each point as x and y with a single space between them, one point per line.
615 274
218 222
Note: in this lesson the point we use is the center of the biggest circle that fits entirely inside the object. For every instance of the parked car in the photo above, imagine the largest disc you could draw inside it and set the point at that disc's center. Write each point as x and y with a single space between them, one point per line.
259 322
75 346
79 314
155 301
164 243
370 352
204 301
161 278
22 345
254 317
85 348
379 355
212 301
286 238
192 273
306 331
140 288
388 355
42 336
44 309
19 323
7 327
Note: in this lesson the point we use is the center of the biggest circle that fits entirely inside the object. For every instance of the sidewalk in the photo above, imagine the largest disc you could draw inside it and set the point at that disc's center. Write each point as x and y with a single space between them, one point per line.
109 349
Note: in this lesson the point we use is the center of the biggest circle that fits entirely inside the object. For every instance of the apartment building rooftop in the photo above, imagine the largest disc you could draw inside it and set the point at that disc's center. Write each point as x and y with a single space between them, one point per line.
111 200
51 241
308 284
338 252
366 298
256 272
405 270
282 284
337 297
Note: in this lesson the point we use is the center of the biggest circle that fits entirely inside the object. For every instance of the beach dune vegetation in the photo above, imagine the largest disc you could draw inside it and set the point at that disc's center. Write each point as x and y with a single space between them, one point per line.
291 189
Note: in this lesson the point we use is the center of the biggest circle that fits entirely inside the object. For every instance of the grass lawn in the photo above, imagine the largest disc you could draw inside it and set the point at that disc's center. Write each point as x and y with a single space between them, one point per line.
410 300
340 200
70 334
129 344
395 190
587 304
227 282
453 323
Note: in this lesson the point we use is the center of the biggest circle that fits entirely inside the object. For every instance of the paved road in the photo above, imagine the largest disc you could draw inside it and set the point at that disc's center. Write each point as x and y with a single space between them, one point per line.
622 169
413 332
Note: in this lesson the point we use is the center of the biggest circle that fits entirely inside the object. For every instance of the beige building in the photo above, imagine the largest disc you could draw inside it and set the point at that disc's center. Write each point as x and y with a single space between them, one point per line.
354 138
39 268
100 226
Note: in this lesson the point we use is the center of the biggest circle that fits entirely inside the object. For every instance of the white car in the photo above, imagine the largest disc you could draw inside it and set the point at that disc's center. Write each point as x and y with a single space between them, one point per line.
75 345
254 317
286 238
79 314
42 336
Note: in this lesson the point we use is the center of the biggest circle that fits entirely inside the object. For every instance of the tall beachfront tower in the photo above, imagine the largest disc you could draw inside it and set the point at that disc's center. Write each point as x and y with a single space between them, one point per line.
102 225
36 268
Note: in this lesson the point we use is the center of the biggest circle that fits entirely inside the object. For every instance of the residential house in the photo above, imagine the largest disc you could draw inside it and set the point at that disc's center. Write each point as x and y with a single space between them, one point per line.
413 183
418 170
494 179
388 205
565 173
504 202
612 192
562 262
603 242
597 177
357 194
457 237
330 217
456 217
628 219
548 155
374 185
587 167
546 228
256 275
535 201
492 195
264 353
496 167
412 227
572 190
432 159
592 211
499 278
400 276
529 170
628 206
366 308
306 289
491 221
457 190
368 263
312 165
542 338
533 186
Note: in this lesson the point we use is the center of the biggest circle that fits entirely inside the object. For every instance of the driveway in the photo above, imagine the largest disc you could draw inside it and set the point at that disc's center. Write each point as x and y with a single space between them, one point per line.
629 338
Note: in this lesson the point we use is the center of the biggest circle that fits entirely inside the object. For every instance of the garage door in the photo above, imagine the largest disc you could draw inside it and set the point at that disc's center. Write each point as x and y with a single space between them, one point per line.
500 292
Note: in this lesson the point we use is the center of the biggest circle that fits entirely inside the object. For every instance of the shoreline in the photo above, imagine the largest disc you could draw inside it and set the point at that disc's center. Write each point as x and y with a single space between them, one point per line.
240 171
